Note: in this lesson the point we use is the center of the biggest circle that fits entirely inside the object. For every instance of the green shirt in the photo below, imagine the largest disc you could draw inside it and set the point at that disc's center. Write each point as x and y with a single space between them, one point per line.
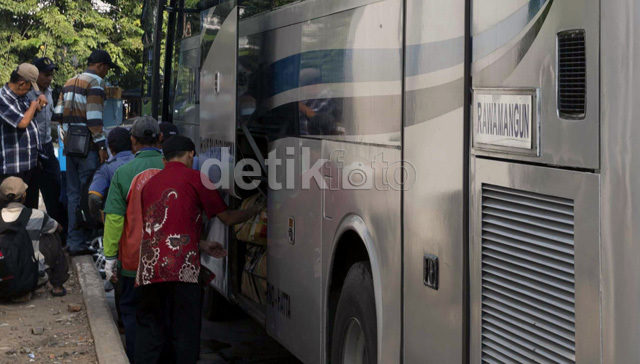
116 205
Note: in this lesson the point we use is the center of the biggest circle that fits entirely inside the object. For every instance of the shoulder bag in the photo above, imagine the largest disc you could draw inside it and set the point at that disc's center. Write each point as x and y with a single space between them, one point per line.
78 137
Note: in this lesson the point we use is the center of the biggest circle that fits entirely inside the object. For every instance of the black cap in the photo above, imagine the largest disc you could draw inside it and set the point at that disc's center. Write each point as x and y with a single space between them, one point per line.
168 130
119 139
178 143
101 56
45 64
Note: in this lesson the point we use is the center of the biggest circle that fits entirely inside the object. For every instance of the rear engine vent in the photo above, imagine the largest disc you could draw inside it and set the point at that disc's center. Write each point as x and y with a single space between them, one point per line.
528 282
572 74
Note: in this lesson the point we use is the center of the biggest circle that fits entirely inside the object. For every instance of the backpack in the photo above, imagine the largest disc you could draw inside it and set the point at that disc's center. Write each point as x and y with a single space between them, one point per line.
84 219
18 264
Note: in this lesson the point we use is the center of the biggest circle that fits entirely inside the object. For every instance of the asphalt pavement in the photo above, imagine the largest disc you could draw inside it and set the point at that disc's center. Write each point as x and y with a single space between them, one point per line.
238 341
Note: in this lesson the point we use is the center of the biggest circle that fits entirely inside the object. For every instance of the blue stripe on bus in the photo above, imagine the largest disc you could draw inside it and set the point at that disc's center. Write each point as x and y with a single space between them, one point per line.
434 56
379 65
333 66
500 34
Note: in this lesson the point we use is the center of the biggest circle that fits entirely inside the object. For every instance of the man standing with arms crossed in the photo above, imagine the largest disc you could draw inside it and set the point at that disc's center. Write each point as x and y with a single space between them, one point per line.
123 220
50 172
81 103
18 131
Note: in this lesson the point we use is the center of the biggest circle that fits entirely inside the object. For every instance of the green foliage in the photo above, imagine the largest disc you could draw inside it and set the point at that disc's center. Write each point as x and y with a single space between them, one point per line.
67 31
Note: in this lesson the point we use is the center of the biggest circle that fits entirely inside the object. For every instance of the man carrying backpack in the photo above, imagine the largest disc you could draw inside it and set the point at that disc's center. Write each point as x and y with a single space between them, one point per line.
24 236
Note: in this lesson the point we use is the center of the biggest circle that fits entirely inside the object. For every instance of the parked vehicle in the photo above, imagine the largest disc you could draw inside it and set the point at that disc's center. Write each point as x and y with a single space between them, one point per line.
473 166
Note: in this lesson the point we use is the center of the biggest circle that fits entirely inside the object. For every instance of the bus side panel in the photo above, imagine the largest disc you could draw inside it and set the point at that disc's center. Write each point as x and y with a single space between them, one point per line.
433 204
379 210
294 295
620 81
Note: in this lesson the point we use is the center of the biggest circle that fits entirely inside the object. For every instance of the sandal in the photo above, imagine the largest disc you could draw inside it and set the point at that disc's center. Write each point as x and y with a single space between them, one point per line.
59 294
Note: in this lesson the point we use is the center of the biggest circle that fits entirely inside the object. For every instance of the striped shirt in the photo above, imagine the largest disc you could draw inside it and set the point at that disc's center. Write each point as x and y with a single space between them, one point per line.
39 224
18 147
81 102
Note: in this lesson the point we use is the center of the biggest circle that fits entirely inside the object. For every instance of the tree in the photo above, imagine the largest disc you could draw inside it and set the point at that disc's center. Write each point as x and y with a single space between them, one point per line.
67 31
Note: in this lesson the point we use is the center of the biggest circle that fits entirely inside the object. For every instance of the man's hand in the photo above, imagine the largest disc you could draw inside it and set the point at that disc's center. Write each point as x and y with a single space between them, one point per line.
213 248
42 100
35 104
110 270
103 155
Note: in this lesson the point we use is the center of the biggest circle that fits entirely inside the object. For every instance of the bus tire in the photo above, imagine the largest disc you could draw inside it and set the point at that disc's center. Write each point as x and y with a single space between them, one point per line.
216 307
355 332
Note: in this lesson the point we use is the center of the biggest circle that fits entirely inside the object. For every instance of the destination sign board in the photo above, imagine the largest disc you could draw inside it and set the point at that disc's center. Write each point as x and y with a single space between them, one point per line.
504 120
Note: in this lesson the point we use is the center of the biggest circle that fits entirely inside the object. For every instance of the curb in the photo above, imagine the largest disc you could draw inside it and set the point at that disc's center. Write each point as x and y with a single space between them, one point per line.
106 338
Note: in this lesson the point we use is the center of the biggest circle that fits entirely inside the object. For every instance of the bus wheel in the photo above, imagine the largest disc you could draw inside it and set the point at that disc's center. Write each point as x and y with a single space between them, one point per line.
355 334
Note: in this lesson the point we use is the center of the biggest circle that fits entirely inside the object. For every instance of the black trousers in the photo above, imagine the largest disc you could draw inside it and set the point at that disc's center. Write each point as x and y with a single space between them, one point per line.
169 313
51 249
51 185
32 179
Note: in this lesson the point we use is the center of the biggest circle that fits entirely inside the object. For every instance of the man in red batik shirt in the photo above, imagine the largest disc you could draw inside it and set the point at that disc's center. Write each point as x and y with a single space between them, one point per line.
174 205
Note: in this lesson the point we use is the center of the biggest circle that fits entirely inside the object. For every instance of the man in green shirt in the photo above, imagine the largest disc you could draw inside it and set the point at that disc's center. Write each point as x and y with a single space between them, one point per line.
123 220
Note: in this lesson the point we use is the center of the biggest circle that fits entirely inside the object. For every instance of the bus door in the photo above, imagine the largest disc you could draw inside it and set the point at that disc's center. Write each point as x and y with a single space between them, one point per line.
434 320
218 111
186 105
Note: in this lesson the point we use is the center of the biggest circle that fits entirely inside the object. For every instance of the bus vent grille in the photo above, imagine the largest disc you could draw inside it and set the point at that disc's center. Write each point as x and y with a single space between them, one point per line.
528 283
572 74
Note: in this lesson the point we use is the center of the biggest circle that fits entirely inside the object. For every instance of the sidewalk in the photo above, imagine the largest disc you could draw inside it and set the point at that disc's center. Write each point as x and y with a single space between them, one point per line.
108 345
45 330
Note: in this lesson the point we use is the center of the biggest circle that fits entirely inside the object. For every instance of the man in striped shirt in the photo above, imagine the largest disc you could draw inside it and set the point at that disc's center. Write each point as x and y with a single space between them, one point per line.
19 144
81 102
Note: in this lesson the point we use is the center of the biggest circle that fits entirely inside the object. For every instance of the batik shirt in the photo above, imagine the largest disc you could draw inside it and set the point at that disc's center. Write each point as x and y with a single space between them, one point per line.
173 204
123 220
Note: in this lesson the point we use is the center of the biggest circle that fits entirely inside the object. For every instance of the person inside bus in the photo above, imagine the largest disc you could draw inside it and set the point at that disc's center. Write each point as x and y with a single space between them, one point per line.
174 205
317 114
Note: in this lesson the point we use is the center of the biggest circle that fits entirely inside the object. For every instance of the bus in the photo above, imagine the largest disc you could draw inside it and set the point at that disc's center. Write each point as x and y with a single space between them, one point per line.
469 170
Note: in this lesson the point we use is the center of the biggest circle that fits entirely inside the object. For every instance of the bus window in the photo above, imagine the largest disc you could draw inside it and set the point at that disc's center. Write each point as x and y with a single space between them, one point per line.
278 3
249 8
256 90
186 93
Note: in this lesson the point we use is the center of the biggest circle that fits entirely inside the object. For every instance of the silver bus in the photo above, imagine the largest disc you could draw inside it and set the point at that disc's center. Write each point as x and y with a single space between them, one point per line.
472 163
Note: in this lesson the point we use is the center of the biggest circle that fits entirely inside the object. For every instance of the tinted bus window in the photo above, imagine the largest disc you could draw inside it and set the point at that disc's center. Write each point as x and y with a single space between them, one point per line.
256 90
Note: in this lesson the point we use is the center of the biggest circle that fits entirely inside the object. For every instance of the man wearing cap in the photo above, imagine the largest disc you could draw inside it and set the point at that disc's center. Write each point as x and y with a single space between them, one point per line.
18 131
13 192
50 167
119 142
169 130
175 203
81 103
123 219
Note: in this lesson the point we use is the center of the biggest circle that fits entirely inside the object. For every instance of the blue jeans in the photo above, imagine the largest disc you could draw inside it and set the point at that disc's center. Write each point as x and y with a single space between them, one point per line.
79 171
